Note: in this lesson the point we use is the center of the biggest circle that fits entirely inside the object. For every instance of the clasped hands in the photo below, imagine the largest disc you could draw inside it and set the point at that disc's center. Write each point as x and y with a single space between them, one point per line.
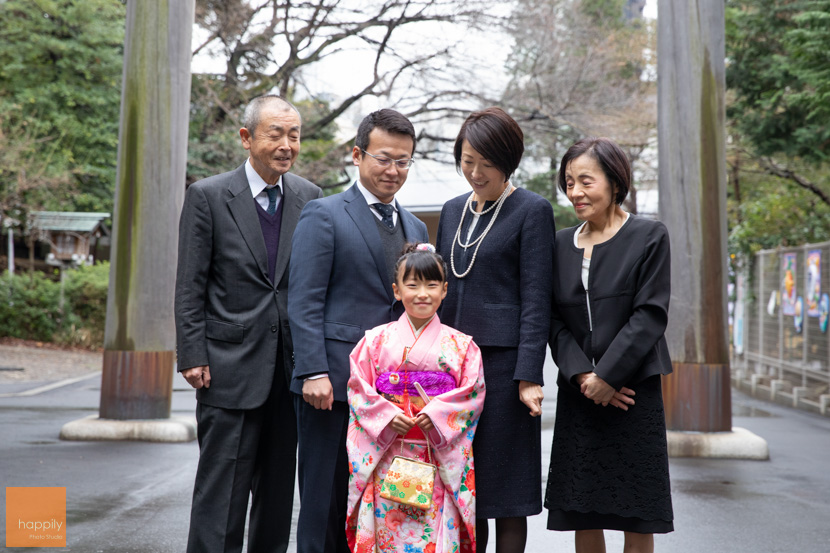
403 424
595 388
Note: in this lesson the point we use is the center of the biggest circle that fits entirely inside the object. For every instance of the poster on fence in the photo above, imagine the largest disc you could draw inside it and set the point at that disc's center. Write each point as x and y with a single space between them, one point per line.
813 282
738 316
788 292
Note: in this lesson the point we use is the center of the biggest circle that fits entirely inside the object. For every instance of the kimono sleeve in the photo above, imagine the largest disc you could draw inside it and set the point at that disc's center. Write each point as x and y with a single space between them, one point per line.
455 413
370 412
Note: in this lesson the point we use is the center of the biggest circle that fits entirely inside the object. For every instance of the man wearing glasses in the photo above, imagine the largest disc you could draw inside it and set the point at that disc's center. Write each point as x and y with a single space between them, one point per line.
340 285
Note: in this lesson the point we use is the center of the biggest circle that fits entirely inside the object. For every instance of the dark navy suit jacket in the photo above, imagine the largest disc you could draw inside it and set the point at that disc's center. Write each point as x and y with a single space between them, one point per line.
339 284
505 300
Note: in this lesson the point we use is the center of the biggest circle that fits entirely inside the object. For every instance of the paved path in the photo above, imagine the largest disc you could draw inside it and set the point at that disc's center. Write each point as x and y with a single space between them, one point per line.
135 497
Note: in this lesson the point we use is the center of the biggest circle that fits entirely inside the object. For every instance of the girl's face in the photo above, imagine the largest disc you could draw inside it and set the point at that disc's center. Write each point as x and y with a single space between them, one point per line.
485 179
588 189
420 298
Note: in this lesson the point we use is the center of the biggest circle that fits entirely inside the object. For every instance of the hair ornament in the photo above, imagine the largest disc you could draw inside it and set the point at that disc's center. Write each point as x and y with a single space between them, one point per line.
425 247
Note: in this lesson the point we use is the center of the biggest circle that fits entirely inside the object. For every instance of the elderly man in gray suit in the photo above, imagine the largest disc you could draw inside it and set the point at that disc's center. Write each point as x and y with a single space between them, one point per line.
233 339
345 249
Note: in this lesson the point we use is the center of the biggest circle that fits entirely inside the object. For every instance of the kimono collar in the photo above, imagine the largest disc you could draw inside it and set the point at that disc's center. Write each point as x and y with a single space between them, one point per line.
417 344
418 332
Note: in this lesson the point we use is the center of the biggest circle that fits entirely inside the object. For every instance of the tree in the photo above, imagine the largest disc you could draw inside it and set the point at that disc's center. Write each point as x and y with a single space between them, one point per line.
779 73
60 74
579 68
404 59
778 76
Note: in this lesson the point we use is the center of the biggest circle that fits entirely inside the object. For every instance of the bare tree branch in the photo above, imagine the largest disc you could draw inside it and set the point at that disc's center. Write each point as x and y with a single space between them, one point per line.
773 168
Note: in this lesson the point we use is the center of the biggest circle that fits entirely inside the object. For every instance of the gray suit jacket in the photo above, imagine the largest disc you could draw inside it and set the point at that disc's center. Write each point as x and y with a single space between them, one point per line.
339 286
228 313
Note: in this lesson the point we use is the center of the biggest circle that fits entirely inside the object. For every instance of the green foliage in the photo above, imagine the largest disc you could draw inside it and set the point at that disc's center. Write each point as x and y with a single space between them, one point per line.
778 76
86 298
29 306
778 54
776 215
60 76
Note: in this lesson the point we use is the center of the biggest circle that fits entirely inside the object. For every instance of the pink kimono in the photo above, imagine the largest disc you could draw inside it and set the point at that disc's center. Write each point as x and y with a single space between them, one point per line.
448 365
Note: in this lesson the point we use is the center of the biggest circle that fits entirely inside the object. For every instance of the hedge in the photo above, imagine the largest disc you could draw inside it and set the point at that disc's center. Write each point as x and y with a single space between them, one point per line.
29 306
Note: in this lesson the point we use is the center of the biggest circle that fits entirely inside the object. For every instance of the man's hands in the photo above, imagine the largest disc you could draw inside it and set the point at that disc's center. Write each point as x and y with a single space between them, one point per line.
318 393
198 377
595 388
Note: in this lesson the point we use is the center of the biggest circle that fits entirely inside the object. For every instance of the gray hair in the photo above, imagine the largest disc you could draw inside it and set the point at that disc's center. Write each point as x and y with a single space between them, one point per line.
250 120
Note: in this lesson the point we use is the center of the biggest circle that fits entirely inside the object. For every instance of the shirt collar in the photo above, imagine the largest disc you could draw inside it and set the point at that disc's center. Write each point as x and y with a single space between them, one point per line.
371 198
256 182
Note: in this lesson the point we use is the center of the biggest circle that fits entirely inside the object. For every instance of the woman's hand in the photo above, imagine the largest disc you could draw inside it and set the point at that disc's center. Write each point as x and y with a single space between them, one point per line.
531 394
596 389
424 423
622 399
402 424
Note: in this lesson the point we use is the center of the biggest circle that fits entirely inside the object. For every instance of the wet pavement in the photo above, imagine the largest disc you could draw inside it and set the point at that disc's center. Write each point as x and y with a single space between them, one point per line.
130 497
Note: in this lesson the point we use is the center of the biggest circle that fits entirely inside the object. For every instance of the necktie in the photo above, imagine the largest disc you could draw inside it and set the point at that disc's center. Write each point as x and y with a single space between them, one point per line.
386 211
273 194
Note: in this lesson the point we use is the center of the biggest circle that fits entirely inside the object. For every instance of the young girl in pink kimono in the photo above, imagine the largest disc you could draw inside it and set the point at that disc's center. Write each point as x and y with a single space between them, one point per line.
387 415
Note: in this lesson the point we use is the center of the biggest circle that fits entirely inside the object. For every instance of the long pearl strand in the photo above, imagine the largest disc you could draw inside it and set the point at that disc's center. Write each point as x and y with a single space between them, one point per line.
478 241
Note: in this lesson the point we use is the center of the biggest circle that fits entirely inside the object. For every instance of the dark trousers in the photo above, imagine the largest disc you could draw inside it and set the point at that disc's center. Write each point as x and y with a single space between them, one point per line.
323 472
245 453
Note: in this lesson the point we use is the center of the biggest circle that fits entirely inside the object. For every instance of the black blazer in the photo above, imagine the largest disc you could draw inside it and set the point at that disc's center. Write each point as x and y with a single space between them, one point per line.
229 315
505 300
629 285
340 285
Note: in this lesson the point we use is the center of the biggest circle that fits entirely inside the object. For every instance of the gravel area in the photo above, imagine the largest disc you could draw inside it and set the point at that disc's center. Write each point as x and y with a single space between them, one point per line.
44 362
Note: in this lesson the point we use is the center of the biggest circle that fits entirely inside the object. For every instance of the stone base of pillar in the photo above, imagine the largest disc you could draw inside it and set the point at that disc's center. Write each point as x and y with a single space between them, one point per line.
740 443
94 428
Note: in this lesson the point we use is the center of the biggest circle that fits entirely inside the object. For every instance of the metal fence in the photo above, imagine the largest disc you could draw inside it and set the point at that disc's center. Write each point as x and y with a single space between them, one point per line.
780 317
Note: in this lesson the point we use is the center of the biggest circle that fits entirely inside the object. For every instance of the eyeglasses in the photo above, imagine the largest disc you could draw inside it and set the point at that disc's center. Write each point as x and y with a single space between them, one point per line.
384 161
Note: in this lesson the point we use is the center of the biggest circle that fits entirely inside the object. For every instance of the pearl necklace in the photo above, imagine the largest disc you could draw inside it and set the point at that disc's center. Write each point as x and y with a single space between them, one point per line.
478 241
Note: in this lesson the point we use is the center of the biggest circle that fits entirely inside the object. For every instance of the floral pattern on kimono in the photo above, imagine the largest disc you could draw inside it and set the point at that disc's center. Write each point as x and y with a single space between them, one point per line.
377 524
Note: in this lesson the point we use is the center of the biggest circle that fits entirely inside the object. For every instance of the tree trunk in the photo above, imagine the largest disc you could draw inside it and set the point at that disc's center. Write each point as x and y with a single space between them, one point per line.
152 152
692 181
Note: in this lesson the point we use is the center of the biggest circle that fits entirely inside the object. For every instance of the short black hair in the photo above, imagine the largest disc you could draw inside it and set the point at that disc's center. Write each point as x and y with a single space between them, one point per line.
496 136
390 121
423 264
611 158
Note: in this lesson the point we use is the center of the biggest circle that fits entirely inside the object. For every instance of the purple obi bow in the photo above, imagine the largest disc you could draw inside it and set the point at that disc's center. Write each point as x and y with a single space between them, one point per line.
434 383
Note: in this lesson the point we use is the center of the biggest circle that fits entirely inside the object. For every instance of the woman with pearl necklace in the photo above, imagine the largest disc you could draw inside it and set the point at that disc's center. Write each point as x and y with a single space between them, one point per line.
499 241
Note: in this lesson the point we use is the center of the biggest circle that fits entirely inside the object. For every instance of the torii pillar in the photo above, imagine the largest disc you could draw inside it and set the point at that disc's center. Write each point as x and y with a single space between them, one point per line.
692 184
139 341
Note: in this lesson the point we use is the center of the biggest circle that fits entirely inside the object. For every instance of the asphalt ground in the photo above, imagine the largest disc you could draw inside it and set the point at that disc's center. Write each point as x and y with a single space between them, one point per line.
131 497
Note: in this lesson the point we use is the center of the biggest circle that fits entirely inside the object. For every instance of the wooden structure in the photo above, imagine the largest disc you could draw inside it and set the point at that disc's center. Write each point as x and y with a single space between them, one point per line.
692 181
70 235
139 340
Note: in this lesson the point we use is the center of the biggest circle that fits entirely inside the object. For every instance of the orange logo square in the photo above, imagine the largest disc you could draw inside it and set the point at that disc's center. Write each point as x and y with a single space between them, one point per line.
35 517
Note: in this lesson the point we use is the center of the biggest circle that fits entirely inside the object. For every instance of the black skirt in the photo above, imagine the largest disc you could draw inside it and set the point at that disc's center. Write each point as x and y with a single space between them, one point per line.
609 468
508 444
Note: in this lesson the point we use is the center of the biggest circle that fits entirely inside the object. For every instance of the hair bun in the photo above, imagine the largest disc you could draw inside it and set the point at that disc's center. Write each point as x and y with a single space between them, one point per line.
412 247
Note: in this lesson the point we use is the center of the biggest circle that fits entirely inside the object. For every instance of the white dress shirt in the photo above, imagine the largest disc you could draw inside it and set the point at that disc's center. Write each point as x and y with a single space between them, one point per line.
258 186
372 199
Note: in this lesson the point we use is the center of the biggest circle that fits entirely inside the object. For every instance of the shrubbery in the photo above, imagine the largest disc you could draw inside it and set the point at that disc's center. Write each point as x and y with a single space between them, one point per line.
29 306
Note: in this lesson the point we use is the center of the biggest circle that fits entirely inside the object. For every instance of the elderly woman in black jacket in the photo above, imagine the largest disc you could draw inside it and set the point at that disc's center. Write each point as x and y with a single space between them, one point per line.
499 243
609 462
